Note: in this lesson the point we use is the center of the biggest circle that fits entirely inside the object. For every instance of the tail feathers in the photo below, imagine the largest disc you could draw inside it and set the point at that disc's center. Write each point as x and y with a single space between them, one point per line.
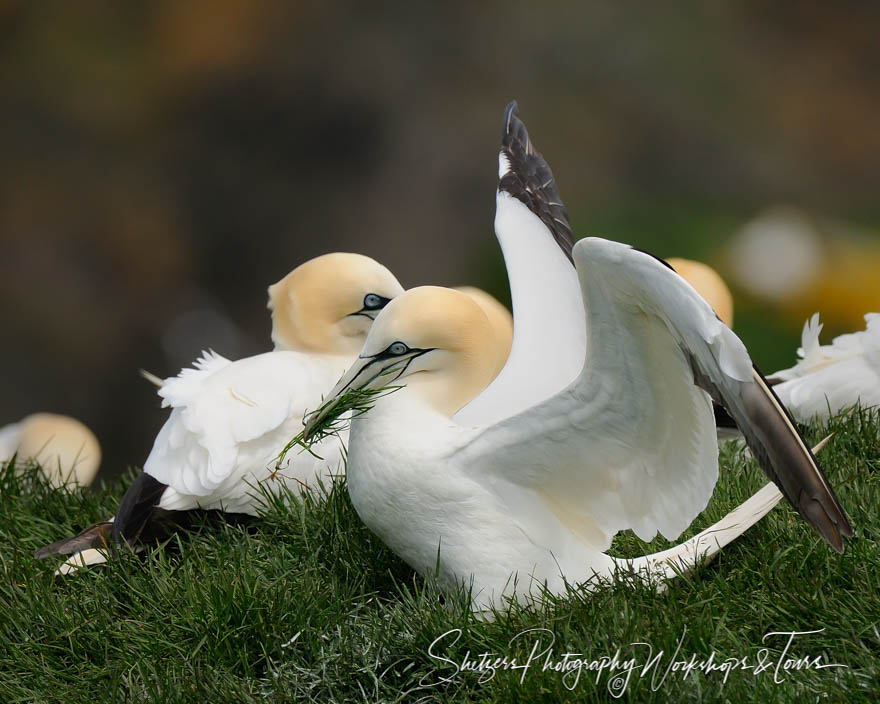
98 536
706 544
137 510
137 522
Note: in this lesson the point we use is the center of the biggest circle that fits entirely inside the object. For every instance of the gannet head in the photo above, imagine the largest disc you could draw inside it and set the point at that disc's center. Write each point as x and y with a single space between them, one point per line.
327 304
500 318
709 284
68 452
435 341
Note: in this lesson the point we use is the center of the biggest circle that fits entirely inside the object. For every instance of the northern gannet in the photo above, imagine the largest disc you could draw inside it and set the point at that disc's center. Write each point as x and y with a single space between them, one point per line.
829 378
228 419
531 486
67 451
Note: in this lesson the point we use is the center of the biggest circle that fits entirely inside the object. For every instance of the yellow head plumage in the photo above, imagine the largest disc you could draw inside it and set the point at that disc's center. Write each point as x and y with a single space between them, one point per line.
68 452
320 306
454 354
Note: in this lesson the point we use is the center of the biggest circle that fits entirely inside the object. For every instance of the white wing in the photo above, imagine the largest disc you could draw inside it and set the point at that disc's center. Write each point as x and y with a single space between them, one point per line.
832 377
221 410
631 443
547 308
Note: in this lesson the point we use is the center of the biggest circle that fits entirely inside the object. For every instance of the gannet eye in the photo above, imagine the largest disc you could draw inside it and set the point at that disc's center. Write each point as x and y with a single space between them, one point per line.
397 349
372 301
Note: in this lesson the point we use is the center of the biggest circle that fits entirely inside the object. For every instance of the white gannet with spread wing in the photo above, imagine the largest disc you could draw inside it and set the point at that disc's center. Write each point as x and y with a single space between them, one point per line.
829 378
534 496
229 419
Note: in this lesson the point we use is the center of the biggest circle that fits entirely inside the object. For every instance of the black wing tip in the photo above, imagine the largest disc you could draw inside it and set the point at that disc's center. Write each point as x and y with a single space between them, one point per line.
511 112
530 180
515 142
822 510
830 522
824 524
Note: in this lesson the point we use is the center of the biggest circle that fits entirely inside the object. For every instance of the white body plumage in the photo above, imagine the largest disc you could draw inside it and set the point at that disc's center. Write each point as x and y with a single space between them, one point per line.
229 421
450 524
537 497
600 421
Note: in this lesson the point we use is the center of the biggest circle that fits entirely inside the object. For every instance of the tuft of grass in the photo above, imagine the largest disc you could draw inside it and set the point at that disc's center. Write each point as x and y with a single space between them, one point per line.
349 404
306 604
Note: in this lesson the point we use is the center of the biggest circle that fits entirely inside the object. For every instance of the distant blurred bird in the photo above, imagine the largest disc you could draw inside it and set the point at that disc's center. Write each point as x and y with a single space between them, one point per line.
67 451
229 420
709 284
831 377
803 263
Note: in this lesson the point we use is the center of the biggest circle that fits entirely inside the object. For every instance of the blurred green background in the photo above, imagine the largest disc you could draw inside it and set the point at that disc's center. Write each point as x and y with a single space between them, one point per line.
163 162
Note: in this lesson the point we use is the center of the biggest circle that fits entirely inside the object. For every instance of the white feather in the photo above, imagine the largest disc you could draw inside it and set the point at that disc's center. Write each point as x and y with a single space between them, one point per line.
829 378
228 422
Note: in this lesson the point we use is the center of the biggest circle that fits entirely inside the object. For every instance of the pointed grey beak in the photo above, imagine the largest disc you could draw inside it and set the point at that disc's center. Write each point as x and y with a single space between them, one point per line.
366 373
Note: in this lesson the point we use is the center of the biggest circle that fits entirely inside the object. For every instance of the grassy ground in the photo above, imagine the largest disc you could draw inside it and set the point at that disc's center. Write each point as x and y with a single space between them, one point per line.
307 605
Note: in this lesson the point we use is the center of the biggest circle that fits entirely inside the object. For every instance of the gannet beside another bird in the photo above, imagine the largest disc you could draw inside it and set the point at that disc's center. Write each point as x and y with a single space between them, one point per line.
229 419
66 450
829 378
532 495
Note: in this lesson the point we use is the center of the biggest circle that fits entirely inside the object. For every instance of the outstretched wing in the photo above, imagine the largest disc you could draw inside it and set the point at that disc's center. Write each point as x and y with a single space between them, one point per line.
631 443
532 228
221 411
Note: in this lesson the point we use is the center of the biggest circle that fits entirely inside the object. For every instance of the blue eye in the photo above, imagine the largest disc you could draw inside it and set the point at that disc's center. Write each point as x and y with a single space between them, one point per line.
372 301
397 349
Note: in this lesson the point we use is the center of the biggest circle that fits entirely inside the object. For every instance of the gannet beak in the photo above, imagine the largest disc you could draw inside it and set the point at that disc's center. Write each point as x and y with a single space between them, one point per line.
367 373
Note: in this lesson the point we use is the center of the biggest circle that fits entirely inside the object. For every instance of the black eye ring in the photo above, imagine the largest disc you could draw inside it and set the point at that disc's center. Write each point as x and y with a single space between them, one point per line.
373 302
397 349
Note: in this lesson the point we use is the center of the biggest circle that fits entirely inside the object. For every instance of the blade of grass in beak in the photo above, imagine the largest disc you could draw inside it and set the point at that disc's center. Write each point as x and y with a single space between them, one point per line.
327 420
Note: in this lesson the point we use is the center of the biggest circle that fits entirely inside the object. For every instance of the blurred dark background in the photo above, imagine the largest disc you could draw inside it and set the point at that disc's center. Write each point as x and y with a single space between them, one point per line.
163 162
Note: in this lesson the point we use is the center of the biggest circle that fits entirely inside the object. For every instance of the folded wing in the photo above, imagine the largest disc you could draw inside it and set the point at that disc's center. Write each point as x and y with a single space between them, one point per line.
220 410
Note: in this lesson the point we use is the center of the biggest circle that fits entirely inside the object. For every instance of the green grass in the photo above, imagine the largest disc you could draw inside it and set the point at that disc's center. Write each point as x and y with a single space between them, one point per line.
211 615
